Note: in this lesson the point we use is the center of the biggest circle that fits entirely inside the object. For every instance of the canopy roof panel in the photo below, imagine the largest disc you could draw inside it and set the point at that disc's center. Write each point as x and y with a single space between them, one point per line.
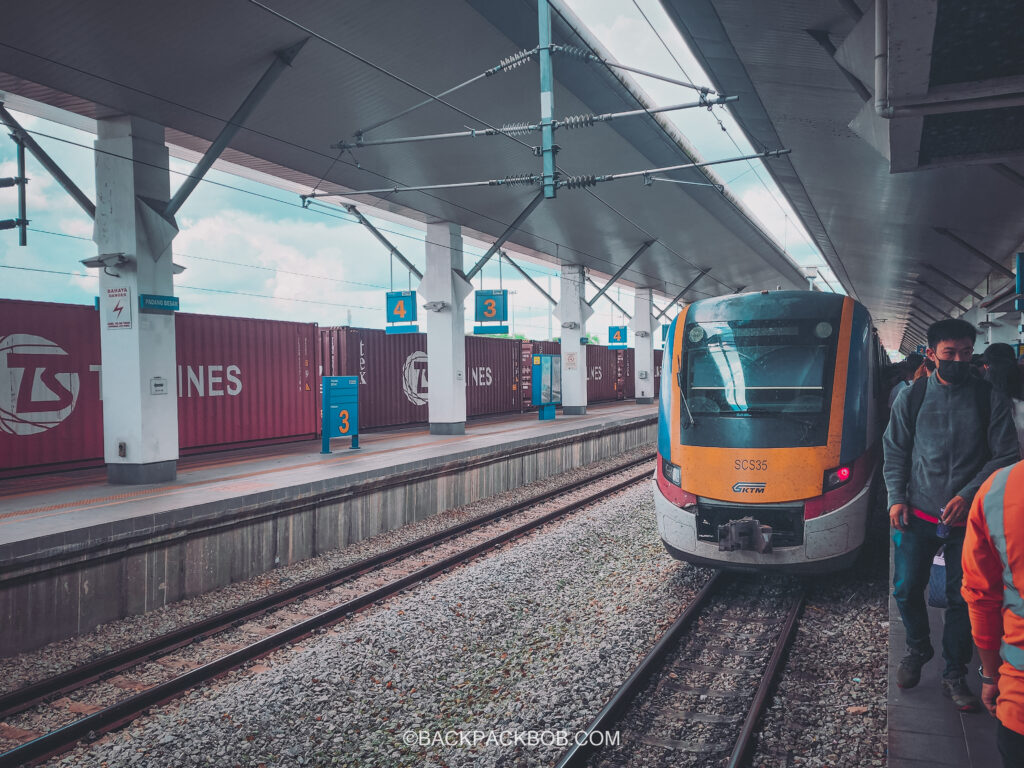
188 65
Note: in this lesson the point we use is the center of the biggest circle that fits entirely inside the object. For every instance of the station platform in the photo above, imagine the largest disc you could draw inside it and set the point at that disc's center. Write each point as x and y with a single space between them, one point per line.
925 729
76 551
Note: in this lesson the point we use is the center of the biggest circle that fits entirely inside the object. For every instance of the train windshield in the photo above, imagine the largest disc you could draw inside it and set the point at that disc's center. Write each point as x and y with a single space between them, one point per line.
758 383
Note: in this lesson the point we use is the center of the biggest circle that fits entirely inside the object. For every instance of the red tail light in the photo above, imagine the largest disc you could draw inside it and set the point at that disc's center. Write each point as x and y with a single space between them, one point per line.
840 486
672 491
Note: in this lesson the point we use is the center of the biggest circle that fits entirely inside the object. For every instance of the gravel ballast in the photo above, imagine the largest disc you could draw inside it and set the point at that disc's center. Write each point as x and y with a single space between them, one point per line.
24 668
533 638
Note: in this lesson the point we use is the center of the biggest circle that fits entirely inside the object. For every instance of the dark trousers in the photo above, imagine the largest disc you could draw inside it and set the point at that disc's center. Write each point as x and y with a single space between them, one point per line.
1011 747
915 548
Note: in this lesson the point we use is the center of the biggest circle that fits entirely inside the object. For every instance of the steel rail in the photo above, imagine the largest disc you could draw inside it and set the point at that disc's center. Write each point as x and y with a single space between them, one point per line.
775 665
23 698
616 706
127 710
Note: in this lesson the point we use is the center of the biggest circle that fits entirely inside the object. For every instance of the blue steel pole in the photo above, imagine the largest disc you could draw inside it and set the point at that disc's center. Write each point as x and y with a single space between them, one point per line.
547 96
325 437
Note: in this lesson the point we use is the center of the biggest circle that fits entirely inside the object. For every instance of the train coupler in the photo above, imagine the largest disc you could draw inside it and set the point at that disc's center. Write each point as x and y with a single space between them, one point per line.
745 534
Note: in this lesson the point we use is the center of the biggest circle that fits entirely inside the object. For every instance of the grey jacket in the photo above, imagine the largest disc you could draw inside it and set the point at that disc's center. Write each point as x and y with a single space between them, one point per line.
946 456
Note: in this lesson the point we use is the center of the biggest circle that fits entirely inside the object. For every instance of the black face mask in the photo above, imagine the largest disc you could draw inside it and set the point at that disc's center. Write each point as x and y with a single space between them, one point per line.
954 371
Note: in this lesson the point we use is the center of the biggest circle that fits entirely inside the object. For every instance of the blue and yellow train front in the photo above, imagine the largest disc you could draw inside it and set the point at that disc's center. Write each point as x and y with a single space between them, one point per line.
767 436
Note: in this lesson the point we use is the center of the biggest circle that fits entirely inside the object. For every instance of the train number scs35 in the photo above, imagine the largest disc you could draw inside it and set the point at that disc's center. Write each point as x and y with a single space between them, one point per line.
768 431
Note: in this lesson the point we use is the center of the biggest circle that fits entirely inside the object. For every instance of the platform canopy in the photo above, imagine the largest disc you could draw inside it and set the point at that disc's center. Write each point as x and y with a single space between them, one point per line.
920 172
187 65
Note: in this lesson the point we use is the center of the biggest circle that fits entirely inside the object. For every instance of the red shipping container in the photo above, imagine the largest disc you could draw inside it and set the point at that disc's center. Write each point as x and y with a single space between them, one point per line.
394 380
627 358
243 381
492 375
240 381
602 374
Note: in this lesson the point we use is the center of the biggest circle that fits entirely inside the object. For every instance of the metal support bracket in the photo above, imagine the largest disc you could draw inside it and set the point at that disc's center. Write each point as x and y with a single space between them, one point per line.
974 251
384 241
48 163
529 279
607 297
680 294
538 198
639 252
282 59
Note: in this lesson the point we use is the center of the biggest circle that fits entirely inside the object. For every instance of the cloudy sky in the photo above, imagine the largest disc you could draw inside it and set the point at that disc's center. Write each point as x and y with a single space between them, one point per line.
250 249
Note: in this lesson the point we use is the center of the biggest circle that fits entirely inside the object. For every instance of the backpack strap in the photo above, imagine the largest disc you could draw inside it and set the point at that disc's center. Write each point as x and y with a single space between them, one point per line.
916 399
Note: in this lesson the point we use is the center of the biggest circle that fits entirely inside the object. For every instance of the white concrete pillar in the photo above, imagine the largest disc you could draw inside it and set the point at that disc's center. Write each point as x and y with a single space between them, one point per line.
443 292
643 362
139 381
574 312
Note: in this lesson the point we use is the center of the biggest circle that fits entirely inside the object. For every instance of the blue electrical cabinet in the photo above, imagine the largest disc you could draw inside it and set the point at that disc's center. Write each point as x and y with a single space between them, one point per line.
547 384
340 402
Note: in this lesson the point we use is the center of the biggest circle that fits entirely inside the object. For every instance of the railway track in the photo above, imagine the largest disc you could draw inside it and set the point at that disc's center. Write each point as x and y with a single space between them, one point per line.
341 588
696 698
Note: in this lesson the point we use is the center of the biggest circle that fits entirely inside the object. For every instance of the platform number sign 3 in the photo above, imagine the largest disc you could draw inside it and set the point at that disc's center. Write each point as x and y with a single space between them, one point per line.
491 306
343 425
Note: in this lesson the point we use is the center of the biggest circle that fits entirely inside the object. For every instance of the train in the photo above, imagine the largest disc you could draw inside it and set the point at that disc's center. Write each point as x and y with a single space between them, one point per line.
771 411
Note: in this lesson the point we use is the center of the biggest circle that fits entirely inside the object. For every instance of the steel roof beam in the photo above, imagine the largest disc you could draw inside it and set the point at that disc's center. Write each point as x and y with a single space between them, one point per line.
47 162
538 198
974 251
937 292
680 294
282 59
529 279
601 291
943 313
639 252
953 280
384 241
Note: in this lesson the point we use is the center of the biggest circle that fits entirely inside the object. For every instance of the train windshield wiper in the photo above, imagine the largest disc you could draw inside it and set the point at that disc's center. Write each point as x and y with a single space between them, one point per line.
783 414
682 396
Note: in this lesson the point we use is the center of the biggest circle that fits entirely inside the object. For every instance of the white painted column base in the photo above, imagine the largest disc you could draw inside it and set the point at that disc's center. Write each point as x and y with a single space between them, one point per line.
444 290
573 311
139 374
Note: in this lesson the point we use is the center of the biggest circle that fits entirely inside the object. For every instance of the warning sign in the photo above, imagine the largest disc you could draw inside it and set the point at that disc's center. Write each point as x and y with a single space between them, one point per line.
118 308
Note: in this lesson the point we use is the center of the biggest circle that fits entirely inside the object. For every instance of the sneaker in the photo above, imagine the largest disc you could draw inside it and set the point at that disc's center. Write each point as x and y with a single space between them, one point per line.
908 674
957 690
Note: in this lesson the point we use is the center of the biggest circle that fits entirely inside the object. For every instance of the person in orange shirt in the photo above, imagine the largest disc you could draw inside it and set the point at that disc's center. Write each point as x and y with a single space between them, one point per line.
993 564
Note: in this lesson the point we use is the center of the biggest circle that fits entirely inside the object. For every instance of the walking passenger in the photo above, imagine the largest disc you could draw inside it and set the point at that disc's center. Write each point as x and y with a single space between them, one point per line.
905 374
947 433
993 561
1003 373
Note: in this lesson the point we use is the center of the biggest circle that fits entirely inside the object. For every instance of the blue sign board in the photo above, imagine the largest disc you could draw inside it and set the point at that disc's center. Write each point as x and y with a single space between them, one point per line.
617 336
664 333
484 330
401 306
547 384
402 329
340 403
152 303
492 307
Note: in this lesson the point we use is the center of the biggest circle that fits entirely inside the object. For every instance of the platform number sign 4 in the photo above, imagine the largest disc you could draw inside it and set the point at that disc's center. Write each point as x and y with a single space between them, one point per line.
616 336
401 306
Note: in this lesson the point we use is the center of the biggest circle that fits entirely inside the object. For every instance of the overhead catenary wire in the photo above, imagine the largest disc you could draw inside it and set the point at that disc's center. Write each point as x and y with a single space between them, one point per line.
334 159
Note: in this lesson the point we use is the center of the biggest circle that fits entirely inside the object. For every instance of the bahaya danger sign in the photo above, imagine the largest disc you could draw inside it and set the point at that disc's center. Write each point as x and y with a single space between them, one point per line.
118 308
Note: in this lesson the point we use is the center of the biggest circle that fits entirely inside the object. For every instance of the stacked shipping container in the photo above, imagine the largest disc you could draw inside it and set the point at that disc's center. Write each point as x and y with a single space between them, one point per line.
247 382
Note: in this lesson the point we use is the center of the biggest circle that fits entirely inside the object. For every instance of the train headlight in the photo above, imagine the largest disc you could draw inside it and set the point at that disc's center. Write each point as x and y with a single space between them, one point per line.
672 472
834 478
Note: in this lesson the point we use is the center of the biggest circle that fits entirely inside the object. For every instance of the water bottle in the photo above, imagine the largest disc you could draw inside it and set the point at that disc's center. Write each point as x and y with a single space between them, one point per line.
941 529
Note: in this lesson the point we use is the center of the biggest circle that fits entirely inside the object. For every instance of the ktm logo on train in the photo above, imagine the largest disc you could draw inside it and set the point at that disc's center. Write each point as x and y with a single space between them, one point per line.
38 384
748 488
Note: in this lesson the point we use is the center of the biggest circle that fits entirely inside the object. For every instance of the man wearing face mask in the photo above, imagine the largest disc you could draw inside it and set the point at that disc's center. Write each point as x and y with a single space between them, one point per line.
947 433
